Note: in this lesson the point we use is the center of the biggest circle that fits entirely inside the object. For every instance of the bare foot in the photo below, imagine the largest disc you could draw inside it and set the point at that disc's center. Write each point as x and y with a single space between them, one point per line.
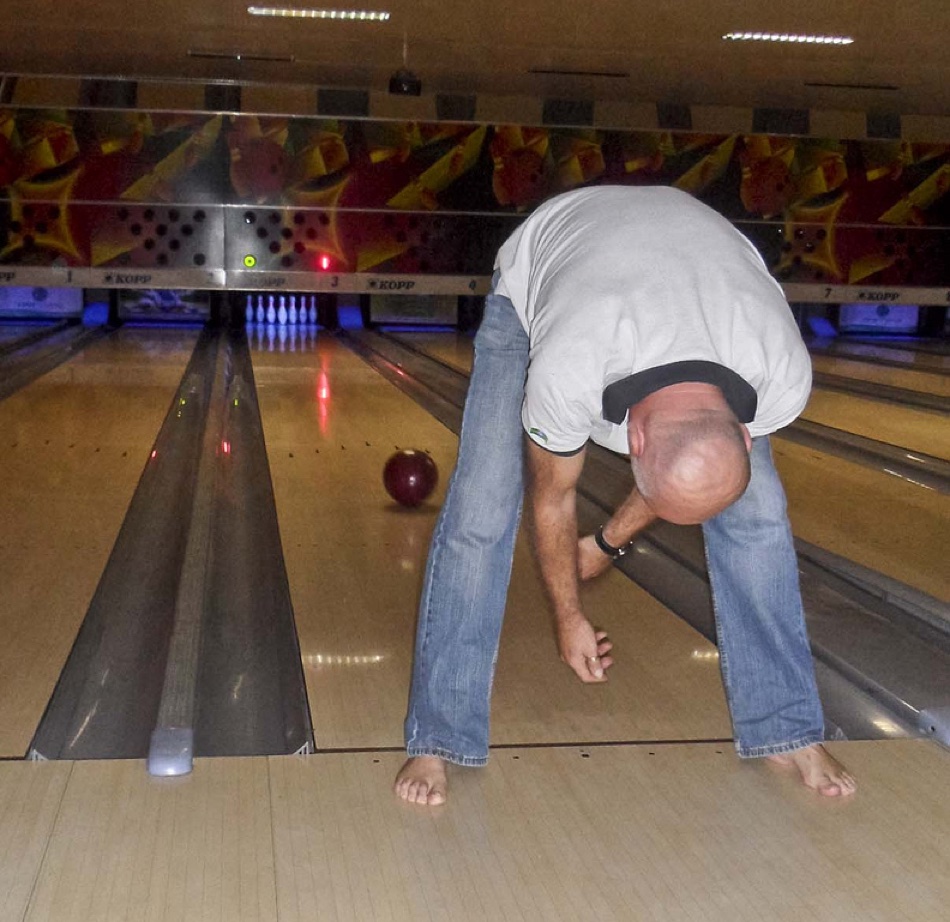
819 770
422 780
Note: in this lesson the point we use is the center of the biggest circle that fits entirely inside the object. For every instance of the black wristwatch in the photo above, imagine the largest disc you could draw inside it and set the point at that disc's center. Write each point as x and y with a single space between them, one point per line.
614 553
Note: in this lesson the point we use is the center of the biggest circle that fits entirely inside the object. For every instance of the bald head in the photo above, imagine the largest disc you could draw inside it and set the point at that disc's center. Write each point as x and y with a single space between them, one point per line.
691 464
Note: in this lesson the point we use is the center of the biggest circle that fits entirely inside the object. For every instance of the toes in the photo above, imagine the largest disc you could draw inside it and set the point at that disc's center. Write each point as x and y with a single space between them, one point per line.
847 783
419 792
829 789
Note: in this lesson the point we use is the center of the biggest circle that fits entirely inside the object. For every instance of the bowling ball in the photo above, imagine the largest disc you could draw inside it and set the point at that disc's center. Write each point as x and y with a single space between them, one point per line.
410 476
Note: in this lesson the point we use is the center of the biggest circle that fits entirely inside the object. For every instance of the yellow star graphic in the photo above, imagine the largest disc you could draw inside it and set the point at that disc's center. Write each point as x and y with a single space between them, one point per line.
40 213
811 233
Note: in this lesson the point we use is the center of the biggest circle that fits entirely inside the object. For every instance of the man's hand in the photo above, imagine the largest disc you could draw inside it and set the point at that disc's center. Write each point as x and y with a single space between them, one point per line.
591 560
584 649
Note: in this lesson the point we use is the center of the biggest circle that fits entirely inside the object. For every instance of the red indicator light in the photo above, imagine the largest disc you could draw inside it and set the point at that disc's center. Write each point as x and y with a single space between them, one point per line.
226 447
324 261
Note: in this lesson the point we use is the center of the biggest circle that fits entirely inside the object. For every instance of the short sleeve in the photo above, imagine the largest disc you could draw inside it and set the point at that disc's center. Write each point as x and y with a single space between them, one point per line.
557 413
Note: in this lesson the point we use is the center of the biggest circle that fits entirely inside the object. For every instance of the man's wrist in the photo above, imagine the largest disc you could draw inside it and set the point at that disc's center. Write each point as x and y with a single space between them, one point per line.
613 552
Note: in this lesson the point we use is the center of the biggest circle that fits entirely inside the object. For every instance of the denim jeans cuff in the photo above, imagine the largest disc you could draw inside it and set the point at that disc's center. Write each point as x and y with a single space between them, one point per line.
776 749
447 756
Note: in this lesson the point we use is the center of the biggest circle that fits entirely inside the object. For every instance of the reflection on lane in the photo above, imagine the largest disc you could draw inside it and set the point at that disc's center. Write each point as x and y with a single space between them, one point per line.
926 382
878 521
920 430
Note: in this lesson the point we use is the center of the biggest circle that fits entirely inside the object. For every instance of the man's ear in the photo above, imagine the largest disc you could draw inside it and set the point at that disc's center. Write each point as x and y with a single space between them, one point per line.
746 437
635 436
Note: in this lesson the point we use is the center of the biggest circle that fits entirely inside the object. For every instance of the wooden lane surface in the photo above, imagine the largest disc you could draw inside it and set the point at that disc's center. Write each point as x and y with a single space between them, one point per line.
73 448
885 523
927 382
903 354
355 562
924 431
681 832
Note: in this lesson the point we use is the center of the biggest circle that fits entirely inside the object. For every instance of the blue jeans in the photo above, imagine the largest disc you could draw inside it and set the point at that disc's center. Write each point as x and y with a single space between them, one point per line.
766 662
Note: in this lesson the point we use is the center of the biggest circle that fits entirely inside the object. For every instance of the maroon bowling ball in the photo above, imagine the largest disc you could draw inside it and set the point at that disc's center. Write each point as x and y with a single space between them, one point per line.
410 476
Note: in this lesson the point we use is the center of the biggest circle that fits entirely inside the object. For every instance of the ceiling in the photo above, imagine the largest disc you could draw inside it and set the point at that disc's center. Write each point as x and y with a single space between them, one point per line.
662 51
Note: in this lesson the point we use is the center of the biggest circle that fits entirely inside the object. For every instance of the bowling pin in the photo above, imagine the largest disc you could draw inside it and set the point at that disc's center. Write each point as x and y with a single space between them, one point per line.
292 310
313 308
260 309
271 310
282 311
249 310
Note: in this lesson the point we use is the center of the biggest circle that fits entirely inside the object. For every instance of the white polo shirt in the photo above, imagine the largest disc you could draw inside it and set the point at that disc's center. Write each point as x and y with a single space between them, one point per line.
626 290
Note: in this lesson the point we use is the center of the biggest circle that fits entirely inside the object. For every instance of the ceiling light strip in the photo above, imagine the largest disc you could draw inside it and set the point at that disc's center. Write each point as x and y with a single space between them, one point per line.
296 13
788 38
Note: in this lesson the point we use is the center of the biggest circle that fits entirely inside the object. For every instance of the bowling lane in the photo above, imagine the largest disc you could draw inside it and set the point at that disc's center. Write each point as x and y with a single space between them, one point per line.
882 522
75 442
901 354
915 429
453 349
11 332
926 381
355 561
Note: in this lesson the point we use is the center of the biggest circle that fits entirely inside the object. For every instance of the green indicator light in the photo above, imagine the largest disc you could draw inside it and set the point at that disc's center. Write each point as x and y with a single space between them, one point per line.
250 261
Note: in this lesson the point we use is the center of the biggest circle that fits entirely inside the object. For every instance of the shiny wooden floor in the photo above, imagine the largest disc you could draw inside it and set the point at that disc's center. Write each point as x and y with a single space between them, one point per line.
621 833
619 802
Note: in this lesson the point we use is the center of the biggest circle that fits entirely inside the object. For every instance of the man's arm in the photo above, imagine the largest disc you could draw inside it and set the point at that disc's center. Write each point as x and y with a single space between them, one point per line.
552 495
630 518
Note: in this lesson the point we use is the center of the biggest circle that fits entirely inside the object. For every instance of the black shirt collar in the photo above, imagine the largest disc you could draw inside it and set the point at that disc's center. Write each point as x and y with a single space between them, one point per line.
623 394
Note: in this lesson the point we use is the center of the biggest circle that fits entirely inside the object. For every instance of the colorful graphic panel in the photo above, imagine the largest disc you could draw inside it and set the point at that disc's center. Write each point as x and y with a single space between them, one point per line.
440 198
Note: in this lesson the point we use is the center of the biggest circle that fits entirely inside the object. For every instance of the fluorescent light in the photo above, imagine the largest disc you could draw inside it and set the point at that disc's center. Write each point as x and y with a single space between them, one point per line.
788 38
295 13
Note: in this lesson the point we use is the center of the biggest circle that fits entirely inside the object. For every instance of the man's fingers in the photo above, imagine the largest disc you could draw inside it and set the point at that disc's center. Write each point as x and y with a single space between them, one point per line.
595 668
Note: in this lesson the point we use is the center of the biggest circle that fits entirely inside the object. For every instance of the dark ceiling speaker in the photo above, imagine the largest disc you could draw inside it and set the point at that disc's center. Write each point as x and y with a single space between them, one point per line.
405 83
